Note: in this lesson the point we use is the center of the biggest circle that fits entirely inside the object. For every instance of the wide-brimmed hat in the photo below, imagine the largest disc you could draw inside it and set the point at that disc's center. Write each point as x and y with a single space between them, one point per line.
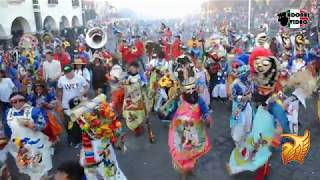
79 61
97 56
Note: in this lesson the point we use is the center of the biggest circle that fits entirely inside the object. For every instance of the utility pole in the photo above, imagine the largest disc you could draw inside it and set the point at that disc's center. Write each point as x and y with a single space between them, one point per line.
249 16
318 29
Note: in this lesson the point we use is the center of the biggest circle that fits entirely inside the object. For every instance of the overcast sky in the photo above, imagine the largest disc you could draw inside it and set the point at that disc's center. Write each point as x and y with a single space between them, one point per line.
159 8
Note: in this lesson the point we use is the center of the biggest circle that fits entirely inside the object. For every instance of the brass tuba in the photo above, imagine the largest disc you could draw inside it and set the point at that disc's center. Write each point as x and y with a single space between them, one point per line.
96 38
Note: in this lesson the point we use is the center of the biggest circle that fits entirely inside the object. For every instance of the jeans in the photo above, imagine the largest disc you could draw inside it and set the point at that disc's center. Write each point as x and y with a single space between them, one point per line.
52 84
141 63
74 134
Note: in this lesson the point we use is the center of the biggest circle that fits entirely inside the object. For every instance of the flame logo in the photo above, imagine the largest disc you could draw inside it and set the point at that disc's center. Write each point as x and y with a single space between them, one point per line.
297 150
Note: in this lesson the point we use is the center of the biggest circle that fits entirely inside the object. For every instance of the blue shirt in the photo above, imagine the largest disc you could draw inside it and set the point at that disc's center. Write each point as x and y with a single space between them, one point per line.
33 99
203 108
39 118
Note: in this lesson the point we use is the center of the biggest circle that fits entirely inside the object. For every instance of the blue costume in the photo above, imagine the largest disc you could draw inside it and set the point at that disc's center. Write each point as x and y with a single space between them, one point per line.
196 52
36 101
220 90
30 143
241 118
39 118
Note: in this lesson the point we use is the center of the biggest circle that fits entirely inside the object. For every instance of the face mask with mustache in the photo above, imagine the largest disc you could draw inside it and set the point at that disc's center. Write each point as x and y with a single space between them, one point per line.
191 98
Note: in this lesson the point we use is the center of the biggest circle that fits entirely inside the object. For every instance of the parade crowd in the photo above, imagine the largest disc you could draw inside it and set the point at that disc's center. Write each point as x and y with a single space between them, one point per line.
55 85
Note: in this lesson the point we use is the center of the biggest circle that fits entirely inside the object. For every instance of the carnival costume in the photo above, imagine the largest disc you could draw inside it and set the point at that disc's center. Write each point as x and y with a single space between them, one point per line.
220 90
32 150
157 92
202 79
176 47
255 152
117 91
188 138
241 118
134 109
285 42
100 129
300 59
303 84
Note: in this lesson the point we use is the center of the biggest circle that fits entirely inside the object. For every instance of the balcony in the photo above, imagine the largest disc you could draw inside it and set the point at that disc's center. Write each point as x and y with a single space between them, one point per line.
75 3
15 1
53 2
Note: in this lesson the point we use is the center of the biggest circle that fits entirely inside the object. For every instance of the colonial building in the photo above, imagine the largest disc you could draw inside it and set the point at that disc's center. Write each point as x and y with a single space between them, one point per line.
21 16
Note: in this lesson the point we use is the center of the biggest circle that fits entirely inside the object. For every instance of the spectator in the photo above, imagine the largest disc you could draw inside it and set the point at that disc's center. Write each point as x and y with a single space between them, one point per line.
51 70
69 86
98 75
61 56
6 89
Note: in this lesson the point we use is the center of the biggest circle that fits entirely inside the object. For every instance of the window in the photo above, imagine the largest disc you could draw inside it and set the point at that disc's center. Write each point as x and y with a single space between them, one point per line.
75 2
15 1
37 17
52 1
35 1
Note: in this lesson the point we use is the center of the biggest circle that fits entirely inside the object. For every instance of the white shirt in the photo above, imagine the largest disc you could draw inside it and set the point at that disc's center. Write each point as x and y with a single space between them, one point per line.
84 73
71 88
52 70
6 89
297 65
162 65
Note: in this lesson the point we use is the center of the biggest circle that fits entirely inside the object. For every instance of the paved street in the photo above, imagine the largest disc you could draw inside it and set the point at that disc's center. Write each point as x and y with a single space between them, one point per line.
144 161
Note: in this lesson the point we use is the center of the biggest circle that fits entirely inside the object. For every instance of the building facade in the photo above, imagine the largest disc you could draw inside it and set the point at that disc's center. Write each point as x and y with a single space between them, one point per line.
36 16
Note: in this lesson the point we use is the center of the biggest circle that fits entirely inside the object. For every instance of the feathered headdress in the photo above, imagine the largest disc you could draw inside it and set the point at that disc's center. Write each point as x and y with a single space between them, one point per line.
303 84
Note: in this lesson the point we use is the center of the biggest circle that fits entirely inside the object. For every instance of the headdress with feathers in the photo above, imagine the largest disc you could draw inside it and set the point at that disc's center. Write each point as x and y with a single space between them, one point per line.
303 84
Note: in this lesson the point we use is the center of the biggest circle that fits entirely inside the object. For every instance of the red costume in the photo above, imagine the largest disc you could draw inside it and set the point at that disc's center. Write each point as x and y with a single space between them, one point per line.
127 55
279 84
166 49
63 58
140 47
167 33
176 52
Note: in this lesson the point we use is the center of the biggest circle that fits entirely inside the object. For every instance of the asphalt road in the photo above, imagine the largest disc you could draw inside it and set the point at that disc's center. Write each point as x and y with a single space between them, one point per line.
144 161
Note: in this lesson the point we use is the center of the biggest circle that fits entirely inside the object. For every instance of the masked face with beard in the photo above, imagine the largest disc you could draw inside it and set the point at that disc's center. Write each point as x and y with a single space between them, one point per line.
191 97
